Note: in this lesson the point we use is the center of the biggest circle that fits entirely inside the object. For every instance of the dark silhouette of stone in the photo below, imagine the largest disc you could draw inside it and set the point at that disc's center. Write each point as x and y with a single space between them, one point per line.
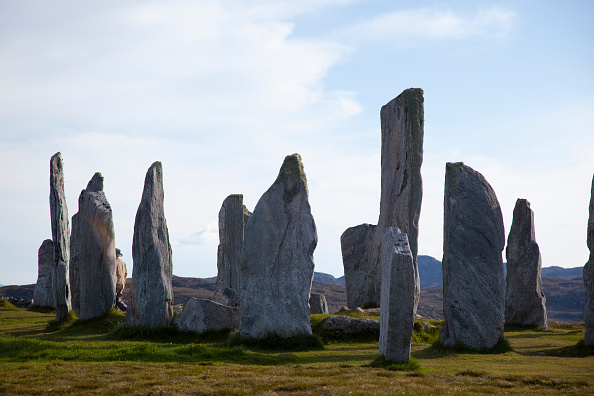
60 236
473 281
355 243
278 267
151 295
44 295
318 304
75 264
589 277
398 306
200 315
524 299
233 218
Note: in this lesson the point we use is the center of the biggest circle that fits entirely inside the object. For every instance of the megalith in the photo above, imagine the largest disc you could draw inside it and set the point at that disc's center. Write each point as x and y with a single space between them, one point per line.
473 281
402 121
95 249
74 264
44 295
278 268
354 243
200 315
398 306
151 295
233 218
525 302
60 236
589 277
318 304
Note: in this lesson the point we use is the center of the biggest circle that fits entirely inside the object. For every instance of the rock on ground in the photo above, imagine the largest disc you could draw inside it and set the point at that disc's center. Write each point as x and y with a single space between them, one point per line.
44 295
151 295
60 236
589 277
200 315
355 243
398 306
318 304
349 324
525 302
277 270
474 237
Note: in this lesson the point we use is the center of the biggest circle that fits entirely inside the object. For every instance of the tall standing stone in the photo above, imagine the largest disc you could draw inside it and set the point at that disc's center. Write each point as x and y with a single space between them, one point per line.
233 218
318 304
75 264
398 306
354 243
151 295
44 295
589 276
402 122
60 236
95 249
277 270
525 302
473 282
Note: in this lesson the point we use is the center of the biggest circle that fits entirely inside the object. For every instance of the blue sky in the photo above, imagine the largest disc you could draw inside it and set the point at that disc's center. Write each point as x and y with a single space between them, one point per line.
221 91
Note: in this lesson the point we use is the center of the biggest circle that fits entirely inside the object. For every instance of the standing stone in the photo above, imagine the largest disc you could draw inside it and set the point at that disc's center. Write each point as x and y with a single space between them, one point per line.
75 264
402 122
277 270
524 299
44 295
589 277
318 304
200 315
233 218
355 242
151 295
60 236
96 259
473 281
398 306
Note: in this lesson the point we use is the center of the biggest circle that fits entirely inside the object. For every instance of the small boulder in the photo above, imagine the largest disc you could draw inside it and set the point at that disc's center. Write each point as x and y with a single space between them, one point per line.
318 304
200 315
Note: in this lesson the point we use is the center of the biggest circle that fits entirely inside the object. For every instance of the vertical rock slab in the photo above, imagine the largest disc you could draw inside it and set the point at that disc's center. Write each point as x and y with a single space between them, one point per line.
355 243
200 315
60 236
44 295
589 276
277 269
318 304
95 247
398 306
151 295
233 218
74 265
525 302
473 281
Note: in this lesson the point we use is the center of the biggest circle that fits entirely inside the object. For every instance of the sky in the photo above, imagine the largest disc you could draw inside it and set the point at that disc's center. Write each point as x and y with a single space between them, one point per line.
221 91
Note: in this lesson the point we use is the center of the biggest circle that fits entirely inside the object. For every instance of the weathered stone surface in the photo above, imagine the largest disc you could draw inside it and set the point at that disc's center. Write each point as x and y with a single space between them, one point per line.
402 122
94 238
318 304
525 302
589 277
350 324
233 218
200 315
44 295
355 243
473 282
277 270
398 305
151 295
74 264
60 236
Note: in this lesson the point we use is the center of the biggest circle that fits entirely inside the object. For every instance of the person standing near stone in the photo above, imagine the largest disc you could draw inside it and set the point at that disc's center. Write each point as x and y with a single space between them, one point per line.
121 274
473 281
589 277
524 298
60 236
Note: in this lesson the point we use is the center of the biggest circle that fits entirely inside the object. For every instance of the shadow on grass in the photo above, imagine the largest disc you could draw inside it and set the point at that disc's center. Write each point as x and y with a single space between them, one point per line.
437 350
304 342
578 350
380 362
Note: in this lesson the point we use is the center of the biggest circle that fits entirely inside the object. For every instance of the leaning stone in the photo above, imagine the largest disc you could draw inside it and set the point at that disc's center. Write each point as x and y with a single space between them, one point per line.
60 236
589 277
233 218
277 270
318 304
524 299
95 249
474 237
44 295
355 243
350 325
398 308
151 295
200 315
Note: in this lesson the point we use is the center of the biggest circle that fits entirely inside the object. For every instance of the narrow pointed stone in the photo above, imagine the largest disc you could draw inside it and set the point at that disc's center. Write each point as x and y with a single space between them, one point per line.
44 295
589 276
60 236
151 296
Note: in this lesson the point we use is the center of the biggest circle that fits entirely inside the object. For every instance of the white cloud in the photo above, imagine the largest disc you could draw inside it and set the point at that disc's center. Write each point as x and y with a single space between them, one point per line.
205 236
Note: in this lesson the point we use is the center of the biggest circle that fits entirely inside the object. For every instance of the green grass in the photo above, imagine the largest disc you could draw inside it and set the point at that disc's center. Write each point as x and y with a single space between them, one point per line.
5 304
411 365
304 342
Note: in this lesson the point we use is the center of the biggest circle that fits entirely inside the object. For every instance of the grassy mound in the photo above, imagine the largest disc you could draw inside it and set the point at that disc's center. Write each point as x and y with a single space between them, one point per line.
5 304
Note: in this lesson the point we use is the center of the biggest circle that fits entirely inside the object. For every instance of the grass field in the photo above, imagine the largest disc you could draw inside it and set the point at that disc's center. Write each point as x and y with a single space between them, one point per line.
101 357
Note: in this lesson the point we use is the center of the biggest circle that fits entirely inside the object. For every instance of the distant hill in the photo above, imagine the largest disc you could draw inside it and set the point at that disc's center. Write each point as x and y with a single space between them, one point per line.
327 279
562 273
